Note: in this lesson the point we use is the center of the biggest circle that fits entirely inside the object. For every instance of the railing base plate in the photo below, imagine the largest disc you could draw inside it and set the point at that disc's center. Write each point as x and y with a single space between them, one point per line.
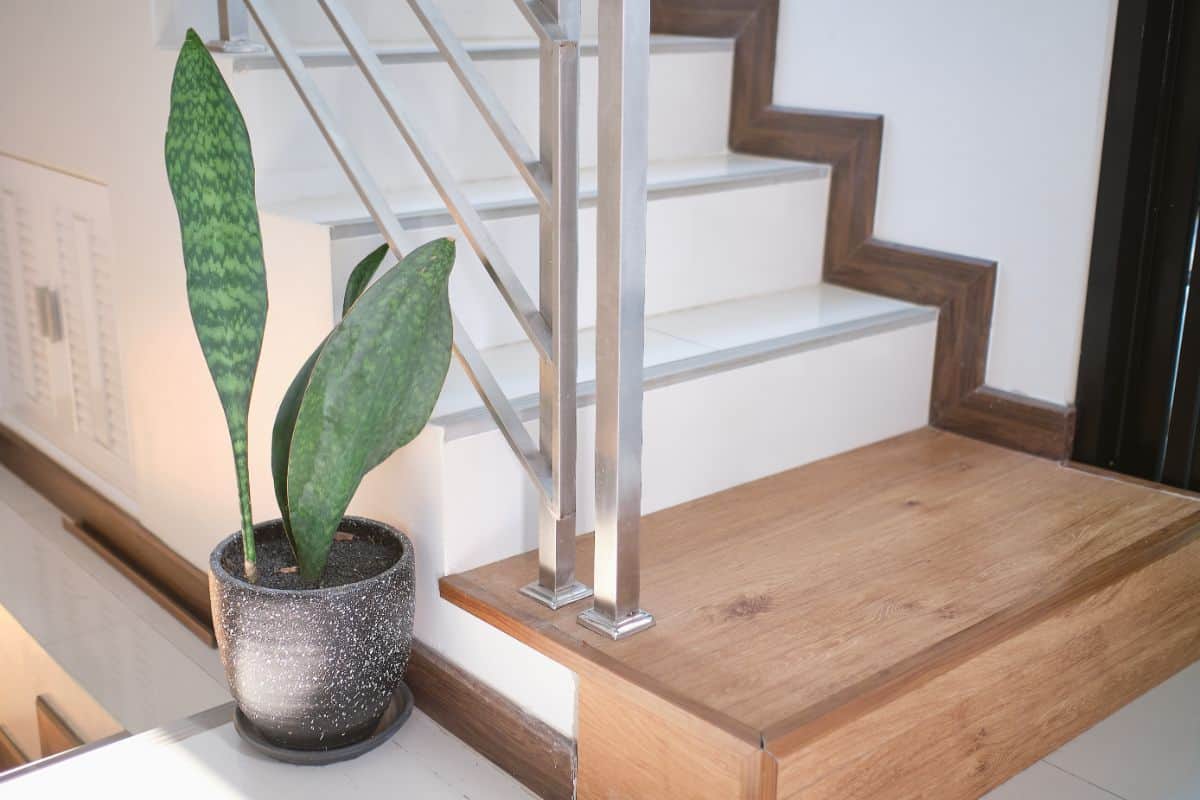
236 47
571 593
596 622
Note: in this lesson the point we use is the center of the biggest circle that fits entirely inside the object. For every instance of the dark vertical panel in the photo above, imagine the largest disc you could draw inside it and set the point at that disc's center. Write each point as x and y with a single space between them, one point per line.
1138 367
1125 172
1165 254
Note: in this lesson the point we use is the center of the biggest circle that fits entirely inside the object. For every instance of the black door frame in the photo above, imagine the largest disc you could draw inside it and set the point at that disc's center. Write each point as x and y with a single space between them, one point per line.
1131 351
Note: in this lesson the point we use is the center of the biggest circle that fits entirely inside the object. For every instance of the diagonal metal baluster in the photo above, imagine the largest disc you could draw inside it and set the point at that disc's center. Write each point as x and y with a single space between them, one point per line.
443 181
541 19
494 113
506 418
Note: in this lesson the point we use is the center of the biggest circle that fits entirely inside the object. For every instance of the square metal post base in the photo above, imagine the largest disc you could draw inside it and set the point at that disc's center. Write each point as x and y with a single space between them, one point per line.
570 593
596 622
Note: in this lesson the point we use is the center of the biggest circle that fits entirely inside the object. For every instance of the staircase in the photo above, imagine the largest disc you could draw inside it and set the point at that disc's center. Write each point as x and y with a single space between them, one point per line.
831 579
752 364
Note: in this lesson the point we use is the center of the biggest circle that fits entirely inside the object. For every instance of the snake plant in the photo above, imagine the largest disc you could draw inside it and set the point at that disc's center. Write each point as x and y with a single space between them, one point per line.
371 385
211 172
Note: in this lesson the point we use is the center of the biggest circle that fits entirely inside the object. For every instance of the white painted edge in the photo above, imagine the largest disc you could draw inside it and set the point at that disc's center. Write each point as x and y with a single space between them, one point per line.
423 53
474 421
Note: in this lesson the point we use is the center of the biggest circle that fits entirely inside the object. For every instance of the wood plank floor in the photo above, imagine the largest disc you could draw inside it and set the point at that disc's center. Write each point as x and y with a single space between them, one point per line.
789 607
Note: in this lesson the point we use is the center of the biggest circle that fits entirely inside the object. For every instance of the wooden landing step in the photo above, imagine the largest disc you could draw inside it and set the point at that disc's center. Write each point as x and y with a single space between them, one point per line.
923 617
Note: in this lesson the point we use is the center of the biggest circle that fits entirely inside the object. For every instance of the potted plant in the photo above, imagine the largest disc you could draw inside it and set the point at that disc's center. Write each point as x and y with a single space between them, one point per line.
313 611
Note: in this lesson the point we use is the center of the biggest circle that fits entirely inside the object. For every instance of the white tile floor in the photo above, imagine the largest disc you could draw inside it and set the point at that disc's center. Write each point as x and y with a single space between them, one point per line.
77 606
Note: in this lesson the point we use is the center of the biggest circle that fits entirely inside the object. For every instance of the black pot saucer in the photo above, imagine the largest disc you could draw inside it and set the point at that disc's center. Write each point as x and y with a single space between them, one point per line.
393 719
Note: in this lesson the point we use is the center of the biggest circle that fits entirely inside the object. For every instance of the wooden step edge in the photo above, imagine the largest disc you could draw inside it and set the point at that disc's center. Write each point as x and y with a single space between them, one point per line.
55 734
200 627
788 736
11 754
799 730
579 656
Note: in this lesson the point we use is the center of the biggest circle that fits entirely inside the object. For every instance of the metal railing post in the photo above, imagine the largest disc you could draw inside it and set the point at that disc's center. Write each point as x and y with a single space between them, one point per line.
233 26
624 53
558 243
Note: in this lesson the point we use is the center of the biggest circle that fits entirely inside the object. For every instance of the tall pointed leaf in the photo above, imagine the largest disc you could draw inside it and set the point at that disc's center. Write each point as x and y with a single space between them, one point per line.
289 407
211 172
361 276
371 391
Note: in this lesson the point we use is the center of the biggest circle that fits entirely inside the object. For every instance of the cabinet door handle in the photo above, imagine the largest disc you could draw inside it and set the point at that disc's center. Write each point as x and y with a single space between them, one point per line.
49 308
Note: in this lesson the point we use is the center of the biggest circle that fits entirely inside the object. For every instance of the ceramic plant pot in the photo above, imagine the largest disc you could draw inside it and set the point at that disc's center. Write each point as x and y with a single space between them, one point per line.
314 669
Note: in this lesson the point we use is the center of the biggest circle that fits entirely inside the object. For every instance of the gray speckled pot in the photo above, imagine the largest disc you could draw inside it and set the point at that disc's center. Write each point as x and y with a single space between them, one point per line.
314 669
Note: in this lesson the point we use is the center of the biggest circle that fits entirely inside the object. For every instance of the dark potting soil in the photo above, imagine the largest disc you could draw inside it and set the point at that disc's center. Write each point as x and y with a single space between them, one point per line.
354 557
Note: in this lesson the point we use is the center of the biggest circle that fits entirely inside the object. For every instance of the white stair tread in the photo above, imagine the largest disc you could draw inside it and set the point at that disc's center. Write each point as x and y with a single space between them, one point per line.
419 207
480 50
691 342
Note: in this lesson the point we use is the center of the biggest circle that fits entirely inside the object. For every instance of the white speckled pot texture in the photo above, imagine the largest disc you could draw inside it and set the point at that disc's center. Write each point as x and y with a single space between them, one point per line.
315 669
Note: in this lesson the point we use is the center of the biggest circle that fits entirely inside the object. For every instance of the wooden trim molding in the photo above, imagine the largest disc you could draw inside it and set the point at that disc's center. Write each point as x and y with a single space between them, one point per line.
170 579
961 287
55 734
523 746
11 754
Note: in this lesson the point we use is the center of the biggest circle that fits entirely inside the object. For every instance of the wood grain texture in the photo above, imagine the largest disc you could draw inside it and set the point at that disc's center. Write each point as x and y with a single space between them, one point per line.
532 752
55 734
632 744
11 754
792 607
110 529
975 726
962 288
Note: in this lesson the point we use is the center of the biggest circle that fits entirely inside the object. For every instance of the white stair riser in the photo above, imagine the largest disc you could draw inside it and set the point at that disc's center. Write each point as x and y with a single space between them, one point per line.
693 258
293 160
701 436
383 20
706 435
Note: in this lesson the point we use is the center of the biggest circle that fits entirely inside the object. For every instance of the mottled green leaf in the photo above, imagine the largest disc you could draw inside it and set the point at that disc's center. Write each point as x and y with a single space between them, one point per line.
370 392
211 172
289 407
281 436
361 276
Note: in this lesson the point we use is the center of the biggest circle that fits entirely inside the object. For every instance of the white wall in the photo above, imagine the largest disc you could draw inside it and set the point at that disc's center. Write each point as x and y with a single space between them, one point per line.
994 115
84 90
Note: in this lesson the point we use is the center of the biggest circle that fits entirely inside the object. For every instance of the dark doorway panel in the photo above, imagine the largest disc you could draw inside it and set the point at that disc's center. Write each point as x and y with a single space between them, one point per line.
1138 394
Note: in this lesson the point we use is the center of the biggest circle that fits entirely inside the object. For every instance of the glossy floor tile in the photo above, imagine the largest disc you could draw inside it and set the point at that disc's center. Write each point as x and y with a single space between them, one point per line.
422 762
1148 750
1044 781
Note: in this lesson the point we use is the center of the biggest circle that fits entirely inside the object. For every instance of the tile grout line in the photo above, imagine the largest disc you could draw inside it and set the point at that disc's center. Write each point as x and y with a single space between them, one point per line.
1084 780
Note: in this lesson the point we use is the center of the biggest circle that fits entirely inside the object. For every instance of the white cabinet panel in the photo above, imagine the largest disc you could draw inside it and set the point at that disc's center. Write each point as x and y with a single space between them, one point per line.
57 318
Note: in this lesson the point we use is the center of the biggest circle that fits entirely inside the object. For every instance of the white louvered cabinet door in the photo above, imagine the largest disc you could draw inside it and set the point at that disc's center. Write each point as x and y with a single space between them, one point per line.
59 326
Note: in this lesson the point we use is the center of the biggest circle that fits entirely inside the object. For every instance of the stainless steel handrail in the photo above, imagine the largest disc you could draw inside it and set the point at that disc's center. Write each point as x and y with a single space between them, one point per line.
551 325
